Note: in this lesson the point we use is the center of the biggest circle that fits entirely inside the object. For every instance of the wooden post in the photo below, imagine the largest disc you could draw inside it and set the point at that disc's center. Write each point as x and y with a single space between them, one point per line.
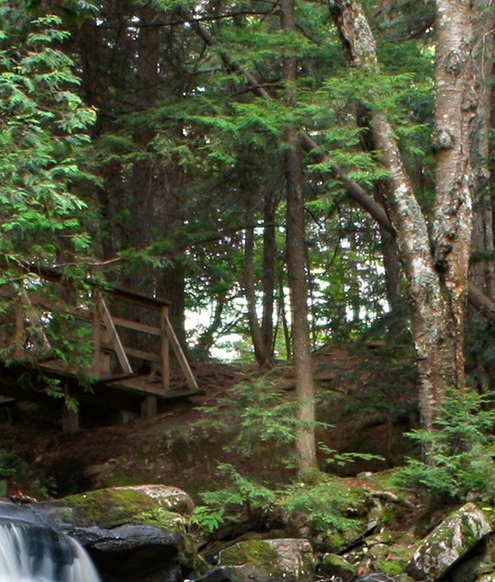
164 349
70 420
149 406
127 416
101 360
113 336
184 364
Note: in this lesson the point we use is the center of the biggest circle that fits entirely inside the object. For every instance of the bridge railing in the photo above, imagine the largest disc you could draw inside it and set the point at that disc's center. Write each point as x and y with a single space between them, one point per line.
117 334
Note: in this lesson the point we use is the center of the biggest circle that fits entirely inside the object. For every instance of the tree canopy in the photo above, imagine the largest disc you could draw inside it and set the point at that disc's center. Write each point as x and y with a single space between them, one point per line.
291 173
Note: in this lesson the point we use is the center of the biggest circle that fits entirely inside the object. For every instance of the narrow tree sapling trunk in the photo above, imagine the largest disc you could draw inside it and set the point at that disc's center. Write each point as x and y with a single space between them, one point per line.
296 264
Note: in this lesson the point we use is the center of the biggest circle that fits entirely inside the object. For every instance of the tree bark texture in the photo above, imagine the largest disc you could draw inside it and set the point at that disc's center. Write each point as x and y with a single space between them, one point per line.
435 267
296 264
250 293
456 103
269 258
482 271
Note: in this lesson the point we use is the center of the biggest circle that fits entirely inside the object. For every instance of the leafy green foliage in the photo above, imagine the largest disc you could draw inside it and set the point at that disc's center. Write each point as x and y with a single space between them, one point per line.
43 218
10 463
243 499
11 466
208 518
337 459
319 501
260 413
458 454
43 123
325 502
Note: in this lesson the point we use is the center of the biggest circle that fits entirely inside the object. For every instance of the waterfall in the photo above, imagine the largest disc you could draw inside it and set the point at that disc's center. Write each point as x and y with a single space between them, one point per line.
30 553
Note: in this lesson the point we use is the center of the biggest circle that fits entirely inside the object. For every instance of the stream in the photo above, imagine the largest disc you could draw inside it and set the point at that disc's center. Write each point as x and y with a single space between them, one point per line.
30 553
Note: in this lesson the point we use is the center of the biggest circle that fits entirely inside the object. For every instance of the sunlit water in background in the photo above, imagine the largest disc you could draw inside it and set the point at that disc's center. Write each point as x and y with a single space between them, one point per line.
29 553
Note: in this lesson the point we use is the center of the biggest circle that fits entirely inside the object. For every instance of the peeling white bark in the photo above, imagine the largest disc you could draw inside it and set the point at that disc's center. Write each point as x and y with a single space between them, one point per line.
436 269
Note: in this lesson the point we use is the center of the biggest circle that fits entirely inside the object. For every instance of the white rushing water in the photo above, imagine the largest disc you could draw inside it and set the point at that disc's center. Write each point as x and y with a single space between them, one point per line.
29 553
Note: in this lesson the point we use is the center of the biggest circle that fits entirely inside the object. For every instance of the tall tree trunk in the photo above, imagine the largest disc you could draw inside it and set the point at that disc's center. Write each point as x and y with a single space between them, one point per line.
296 264
142 181
393 279
436 269
261 328
482 272
157 183
269 258
262 358
112 194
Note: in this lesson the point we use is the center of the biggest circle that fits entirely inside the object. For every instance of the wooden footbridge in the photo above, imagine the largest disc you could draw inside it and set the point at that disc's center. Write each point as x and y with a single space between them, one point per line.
113 348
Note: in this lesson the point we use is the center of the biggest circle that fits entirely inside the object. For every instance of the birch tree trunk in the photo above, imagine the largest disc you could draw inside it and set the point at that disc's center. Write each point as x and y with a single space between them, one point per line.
435 260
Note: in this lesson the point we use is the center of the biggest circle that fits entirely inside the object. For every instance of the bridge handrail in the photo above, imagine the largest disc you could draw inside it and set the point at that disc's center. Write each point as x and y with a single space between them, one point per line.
106 338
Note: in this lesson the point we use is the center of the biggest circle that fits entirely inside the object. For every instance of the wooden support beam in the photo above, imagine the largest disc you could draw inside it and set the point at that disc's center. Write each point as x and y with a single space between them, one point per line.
136 326
174 342
113 338
101 360
165 349
70 420
149 406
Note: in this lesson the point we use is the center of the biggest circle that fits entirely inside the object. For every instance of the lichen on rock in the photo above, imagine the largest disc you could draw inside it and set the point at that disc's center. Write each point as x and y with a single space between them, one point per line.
287 559
449 542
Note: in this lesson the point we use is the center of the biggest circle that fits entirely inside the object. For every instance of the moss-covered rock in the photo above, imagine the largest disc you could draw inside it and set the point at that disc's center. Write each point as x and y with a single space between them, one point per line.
459 533
128 531
333 565
285 559
108 508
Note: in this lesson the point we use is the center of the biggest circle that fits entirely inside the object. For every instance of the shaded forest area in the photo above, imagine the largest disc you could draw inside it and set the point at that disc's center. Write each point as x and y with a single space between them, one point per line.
287 174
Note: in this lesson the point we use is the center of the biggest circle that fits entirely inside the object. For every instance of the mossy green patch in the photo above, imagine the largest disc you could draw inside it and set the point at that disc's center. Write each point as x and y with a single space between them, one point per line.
269 559
110 508
258 553
334 565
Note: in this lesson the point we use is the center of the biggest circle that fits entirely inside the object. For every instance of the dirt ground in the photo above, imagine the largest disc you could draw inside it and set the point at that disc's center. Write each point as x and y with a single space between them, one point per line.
367 393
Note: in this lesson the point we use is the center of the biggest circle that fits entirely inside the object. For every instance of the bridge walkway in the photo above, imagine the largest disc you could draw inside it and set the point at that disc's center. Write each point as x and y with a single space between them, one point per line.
110 347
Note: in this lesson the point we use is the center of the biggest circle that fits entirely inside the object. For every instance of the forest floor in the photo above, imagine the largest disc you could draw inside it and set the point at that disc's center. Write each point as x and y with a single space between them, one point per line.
366 393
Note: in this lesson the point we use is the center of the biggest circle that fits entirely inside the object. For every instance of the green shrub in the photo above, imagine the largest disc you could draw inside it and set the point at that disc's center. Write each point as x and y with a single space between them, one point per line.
325 503
259 413
457 459
317 500
242 499
11 466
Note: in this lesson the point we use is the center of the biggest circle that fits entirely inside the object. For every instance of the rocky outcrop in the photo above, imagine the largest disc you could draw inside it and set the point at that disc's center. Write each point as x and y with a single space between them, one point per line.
285 559
130 532
449 542
141 533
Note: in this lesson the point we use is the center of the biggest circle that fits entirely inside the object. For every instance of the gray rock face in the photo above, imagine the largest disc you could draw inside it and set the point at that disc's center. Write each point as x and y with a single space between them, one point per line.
285 559
459 533
133 552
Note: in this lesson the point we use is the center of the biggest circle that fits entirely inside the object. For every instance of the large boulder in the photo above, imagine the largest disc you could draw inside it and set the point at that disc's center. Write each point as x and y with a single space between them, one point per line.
285 559
446 545
130 532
